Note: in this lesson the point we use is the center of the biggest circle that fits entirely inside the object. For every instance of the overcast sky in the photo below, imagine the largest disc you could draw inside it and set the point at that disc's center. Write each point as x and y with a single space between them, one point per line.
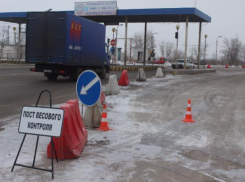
227 18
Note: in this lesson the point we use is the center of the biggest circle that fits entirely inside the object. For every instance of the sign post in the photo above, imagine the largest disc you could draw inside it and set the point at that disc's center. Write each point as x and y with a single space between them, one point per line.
40 121
88 89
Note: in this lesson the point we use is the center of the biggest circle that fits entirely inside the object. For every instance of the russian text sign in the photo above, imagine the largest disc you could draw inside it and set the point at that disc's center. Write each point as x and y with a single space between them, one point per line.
41 121
96 8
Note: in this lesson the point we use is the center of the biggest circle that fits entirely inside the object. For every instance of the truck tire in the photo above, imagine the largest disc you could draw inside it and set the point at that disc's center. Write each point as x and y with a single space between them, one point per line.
52 76
103 73
75 73
108 69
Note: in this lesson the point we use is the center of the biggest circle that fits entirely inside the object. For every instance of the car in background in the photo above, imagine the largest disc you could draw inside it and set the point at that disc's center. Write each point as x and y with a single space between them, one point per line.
180 64
161 60
202 62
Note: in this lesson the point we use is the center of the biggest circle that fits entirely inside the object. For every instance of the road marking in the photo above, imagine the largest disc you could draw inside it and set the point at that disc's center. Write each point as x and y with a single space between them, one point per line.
92 83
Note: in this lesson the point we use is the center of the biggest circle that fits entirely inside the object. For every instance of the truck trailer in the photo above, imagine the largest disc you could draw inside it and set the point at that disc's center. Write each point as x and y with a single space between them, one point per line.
60 43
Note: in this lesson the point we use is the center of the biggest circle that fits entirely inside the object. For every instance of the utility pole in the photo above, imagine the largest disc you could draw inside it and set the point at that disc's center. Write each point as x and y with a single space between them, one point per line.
217 48
205 36
19 42
130 50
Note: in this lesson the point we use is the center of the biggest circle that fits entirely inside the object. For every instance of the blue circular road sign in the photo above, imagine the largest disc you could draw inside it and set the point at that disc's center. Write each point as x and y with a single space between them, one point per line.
88 88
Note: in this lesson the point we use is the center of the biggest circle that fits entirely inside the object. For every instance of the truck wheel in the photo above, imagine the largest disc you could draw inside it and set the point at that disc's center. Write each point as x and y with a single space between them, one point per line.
103 74
52 76
75 73
108 69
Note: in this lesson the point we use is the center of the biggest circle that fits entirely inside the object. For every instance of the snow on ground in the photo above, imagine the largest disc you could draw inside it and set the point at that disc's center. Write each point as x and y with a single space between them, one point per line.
108 156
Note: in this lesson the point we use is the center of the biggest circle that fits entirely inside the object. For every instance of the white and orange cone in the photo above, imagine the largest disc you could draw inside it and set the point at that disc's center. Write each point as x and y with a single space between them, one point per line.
188 116
104 124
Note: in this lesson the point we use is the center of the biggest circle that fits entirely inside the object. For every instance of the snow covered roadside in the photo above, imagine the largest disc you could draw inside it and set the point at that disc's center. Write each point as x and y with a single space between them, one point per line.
117 155
107 154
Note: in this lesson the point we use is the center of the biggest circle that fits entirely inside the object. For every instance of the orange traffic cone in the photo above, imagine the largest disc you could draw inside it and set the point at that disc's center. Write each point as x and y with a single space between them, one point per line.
104 124
188 116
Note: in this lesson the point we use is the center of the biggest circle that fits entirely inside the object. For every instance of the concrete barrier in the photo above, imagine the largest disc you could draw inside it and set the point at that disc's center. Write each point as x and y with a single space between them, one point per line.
159 73
112 87
74 135
124 81
141 75
93 113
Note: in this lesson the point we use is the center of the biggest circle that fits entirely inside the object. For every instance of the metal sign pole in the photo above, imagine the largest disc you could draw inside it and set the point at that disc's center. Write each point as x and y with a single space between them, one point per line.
92 119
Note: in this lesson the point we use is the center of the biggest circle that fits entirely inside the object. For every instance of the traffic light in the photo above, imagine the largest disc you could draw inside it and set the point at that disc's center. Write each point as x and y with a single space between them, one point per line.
108 41
176 35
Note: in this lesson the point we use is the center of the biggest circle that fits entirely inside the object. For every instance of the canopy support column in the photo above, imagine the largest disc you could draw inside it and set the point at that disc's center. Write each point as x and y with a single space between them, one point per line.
126 38
19 43
186 39
145 42
199 44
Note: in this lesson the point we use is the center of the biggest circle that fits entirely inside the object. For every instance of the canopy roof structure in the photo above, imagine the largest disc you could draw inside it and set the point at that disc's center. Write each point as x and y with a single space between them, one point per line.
133 15
157 15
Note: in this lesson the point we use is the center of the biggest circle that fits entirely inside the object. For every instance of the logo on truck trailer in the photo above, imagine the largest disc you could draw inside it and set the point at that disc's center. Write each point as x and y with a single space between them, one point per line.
75 31
75 35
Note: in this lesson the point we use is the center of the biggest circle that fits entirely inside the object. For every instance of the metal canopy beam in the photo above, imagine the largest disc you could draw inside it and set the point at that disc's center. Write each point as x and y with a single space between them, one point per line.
134 15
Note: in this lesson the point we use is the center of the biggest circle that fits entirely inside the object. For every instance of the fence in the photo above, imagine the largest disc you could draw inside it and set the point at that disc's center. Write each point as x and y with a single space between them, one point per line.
10 56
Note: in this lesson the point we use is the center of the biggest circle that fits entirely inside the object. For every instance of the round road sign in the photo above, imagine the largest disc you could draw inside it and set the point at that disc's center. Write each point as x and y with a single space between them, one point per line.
113 42
88 88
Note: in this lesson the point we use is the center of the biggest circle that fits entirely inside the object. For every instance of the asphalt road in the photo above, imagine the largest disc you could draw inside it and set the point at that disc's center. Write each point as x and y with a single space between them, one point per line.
148 127
20 87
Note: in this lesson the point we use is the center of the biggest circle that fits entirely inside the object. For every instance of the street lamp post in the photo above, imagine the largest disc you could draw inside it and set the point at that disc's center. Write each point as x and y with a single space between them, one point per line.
177 42
115 57
217 48
205 36
14 36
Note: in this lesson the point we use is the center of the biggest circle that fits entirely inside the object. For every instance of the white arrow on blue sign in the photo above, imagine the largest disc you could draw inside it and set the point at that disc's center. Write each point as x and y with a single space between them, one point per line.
88 88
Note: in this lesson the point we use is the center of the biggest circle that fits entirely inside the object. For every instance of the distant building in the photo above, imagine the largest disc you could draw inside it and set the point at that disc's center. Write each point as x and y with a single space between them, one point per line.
138 55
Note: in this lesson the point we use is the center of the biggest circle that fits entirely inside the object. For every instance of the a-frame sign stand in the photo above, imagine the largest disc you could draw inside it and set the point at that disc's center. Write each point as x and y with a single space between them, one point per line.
52 146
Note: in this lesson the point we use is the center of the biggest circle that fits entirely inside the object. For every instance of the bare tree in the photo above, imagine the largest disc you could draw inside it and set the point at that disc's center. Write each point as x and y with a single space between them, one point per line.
169 50
242 54
180 54
162 47
232 50
138 40
202 51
